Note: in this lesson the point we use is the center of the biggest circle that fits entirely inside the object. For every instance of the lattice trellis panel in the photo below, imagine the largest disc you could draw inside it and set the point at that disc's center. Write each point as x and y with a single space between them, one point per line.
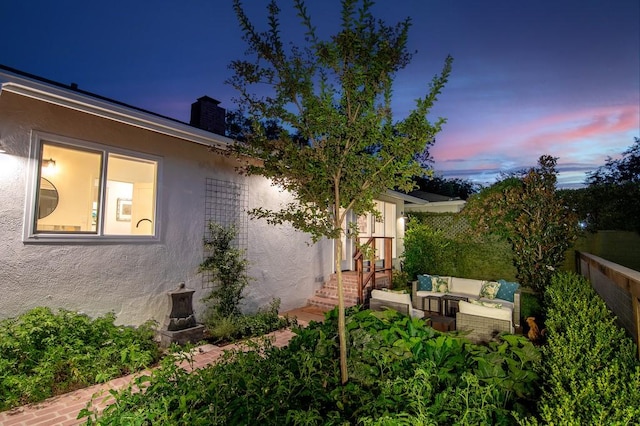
226 203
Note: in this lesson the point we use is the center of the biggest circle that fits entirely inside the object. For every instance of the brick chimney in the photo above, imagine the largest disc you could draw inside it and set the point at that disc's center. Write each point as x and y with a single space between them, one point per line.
207 115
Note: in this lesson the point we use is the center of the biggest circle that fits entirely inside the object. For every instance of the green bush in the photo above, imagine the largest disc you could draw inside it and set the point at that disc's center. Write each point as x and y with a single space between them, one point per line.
442 244
401 370
425 250
237 327
590 370
44 354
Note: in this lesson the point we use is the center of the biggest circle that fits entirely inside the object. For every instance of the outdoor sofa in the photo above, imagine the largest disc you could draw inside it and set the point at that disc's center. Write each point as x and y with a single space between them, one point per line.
401 302
485 308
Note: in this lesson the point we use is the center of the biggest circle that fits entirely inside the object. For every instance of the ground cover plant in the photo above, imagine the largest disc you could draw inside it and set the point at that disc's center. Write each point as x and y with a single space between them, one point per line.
402 372
43 353
590 369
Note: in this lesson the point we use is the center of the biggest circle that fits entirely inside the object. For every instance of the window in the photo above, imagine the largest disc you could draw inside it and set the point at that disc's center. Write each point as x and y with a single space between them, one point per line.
83 190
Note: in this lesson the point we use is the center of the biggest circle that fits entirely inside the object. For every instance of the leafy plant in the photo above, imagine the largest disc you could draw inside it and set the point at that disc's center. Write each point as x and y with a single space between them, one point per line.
403 372
227 267
44 354
265 320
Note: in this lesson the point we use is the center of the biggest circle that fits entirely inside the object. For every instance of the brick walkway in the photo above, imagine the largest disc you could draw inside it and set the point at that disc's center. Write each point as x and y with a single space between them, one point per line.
63 409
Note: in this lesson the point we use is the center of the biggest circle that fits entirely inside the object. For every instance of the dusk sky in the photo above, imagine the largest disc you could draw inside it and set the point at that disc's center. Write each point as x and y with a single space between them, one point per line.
558 77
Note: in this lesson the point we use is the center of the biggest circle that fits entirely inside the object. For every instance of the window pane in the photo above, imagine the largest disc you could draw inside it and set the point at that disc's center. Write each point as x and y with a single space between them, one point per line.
68 190
130 200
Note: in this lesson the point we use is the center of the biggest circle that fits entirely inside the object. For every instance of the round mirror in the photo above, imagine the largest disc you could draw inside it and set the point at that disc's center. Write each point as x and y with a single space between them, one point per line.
47 198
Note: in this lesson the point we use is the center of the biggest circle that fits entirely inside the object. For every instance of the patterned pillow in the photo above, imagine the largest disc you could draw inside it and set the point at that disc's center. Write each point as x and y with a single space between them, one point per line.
489 289
440 284
424 283
487 304
507 290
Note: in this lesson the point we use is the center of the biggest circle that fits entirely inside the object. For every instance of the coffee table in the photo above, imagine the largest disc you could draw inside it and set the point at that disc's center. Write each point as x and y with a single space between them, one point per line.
442 323
450 304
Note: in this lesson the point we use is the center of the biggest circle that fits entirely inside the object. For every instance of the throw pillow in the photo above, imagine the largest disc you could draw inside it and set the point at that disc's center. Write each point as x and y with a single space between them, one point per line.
424 283
507 290
440 284
489 289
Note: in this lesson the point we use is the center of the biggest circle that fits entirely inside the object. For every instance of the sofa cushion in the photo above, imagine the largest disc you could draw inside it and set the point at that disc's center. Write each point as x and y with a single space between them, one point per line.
403 298
502 313
489 289
391 296
507 290
424 283
465 286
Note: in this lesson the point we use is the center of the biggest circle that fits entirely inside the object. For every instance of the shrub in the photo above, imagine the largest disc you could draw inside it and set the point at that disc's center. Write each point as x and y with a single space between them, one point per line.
231 328
443 244
590 371
425 250
400 368
44 354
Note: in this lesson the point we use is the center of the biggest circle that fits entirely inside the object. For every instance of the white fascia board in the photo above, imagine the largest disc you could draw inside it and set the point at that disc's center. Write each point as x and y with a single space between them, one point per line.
405 197
90 105
438 203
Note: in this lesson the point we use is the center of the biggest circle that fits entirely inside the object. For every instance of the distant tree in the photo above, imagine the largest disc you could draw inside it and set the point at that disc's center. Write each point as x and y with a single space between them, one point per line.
619 172
532 217
455 188
335 97
611 201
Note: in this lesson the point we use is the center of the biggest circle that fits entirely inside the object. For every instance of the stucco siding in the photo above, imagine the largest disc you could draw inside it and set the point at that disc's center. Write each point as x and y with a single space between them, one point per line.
131 279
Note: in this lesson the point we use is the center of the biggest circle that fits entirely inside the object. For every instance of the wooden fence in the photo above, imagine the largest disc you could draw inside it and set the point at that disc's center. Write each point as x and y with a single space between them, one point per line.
618 286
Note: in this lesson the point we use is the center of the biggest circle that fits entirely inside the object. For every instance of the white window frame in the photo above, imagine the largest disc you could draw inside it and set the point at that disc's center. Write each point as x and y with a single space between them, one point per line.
30 235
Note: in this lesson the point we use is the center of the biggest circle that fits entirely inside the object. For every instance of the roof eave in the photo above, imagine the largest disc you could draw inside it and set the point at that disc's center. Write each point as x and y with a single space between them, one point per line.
87 104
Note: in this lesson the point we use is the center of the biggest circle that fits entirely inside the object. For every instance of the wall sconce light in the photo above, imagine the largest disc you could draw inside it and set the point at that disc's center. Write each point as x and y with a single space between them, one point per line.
49 166
50 163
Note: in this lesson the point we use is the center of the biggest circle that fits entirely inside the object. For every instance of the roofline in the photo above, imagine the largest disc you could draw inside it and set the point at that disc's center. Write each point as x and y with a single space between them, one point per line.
437 203
23 84
405 197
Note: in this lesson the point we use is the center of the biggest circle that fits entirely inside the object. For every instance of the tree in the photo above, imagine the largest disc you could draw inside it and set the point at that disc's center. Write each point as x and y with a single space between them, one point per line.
611 200
528 212
339 146
461 188
619 172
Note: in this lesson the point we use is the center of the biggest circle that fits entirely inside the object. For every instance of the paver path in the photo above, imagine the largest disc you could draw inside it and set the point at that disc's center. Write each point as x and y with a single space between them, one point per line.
63 409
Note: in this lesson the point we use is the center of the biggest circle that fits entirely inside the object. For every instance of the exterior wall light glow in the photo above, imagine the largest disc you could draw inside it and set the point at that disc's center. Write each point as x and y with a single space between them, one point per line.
49 166
49 163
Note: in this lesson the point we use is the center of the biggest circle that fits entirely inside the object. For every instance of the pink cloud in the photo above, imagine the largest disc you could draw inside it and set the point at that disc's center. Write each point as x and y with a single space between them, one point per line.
555 134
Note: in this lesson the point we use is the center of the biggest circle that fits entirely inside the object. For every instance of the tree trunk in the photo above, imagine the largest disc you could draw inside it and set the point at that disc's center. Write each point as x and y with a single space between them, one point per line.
342 334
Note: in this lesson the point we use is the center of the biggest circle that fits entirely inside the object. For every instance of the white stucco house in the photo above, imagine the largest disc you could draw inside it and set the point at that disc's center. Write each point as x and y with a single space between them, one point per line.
104 207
